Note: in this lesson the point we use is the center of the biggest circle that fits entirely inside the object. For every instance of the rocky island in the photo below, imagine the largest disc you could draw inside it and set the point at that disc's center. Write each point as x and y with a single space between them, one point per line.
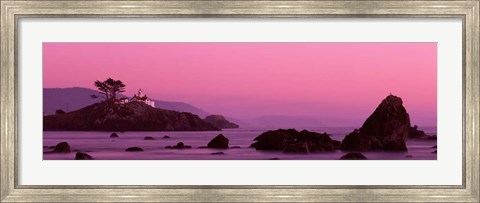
132 116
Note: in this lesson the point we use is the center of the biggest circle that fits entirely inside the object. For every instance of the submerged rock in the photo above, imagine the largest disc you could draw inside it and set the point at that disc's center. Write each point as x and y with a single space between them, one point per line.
114 135
166 137
386 129
83 156
179 145
353 156
148 138
293 141
134 149
218 153
219 142
62 147
235 147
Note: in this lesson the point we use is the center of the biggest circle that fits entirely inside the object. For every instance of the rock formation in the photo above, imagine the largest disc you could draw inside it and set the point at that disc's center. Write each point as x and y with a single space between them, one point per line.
293 141
220 122
219 142
386 129
83 156
62 147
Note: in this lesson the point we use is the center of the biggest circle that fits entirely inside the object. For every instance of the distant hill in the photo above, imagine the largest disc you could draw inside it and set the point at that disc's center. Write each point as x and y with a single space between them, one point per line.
74 98
133 116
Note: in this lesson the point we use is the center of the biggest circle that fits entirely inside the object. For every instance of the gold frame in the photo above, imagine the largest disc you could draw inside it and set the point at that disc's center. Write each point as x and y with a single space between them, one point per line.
12 10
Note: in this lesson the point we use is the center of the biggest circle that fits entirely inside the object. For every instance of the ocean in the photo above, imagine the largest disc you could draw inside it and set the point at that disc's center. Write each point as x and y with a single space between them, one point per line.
101 147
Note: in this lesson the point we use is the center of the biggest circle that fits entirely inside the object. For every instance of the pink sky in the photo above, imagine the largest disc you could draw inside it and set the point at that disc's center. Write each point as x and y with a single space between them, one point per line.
244 80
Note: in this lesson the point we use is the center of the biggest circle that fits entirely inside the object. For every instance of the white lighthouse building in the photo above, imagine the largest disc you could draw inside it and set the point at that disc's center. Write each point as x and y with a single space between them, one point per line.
141 97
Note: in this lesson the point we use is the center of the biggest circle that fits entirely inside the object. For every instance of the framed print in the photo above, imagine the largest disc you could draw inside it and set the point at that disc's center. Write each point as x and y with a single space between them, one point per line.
214 101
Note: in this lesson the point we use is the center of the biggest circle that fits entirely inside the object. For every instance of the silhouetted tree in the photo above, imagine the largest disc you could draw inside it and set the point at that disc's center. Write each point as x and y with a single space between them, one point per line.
102 87
110 88
115 86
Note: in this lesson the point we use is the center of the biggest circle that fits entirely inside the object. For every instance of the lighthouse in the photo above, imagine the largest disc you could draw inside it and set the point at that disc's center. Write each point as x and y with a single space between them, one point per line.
142 97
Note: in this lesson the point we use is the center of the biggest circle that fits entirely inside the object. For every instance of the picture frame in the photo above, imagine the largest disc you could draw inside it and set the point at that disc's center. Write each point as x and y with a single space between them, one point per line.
12 11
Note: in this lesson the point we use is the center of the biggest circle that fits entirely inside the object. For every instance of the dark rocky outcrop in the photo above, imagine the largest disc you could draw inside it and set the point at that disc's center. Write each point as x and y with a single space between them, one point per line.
83 156
134 149
148 138
293 141
353 156
386 129
219 142
220 122
62 147
166 137
133 116
356 141
114 135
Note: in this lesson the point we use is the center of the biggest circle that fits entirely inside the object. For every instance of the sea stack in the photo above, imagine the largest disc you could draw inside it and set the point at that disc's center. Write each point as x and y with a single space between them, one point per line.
386 129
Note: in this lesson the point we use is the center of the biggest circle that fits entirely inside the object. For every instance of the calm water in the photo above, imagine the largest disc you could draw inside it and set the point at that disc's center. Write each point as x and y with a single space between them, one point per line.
100 146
